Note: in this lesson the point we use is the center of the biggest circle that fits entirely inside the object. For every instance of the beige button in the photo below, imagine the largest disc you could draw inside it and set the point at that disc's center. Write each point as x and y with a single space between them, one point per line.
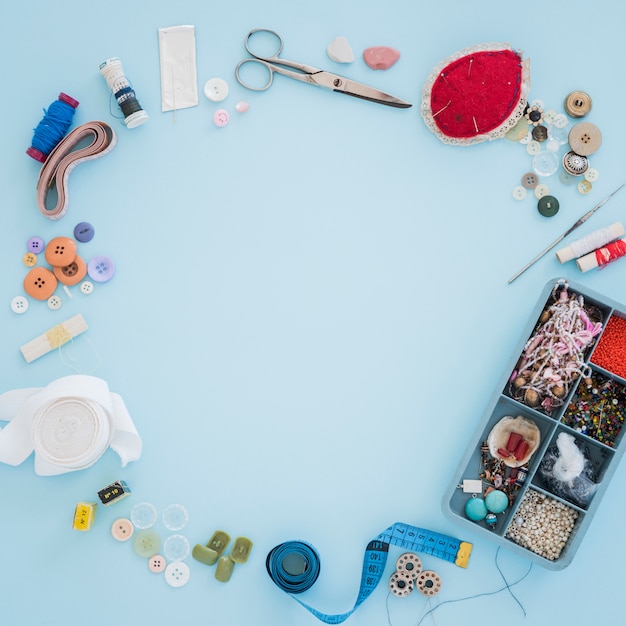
584 138
530 180
577 104
29 259
584 186
541 191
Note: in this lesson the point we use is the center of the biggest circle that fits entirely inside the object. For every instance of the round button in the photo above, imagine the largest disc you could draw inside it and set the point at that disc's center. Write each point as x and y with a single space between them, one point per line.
176 548
530 180
86 287
54 303
220 118
216 89
585 138
546 163
143 515
577 104
73 273
584 187
592 175
100 269
84 232
146 543
29 259
19 304
175 517
566 178
548 206
560 120
541 191
533 147
519 192
177 574
548 116
122 529
540 133
60 251
35 245
575 164
157 563
40 283
558 135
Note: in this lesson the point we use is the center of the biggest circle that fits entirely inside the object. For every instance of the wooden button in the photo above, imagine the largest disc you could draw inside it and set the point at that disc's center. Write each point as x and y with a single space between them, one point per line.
577 104
40 283
584 138
60 251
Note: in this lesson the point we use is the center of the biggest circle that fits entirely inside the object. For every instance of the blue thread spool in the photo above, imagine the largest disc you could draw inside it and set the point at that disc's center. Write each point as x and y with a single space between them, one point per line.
119 85
53 127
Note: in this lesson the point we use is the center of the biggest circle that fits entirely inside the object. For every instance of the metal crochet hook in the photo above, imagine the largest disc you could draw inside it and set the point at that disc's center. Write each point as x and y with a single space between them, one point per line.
572 228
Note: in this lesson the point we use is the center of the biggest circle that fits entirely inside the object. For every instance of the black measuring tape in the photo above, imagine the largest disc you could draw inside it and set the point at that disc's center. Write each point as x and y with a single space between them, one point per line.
295 565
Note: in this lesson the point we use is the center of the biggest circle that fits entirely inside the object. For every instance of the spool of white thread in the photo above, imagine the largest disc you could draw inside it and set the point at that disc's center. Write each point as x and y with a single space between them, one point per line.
593 241
113 72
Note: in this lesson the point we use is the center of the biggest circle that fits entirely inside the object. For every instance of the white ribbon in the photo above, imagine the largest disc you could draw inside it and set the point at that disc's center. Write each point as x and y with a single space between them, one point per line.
69 425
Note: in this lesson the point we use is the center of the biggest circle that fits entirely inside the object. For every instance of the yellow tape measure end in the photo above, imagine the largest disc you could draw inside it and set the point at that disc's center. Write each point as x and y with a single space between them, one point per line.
463 555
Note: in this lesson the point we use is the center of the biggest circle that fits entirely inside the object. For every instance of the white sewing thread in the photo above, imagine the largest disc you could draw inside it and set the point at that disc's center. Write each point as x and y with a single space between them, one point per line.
592 241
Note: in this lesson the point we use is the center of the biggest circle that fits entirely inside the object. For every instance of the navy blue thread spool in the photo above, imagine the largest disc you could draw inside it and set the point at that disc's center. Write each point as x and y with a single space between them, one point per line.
123 92
53 127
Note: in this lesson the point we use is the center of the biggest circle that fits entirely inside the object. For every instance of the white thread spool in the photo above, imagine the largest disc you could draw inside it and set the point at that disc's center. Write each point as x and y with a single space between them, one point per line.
120 86
428 583
401 584
593 241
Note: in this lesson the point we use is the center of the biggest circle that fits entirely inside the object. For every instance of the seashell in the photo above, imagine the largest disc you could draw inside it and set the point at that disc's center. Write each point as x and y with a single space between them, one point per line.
500 433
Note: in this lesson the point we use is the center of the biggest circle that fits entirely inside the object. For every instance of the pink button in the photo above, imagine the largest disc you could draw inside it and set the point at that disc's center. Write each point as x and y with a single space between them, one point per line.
220 117
122 529
157 563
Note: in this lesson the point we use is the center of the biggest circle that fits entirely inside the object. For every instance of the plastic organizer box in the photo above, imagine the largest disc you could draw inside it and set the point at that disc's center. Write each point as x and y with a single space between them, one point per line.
551 436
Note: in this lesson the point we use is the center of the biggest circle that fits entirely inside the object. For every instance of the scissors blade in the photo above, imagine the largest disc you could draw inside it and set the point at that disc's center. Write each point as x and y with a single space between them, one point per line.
341 84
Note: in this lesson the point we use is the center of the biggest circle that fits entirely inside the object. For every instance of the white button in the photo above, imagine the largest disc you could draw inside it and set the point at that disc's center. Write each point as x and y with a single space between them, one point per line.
19 304
527 138
548 116
519 193
533 147
553 145
592 175
54 302
560 120
177 574
541 191
584 187
86 287
216 89
537 103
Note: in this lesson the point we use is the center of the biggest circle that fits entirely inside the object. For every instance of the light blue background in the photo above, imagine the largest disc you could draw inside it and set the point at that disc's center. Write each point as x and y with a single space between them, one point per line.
310 309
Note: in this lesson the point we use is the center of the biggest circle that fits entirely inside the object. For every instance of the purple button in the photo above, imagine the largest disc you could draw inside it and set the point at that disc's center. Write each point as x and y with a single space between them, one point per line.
100 269
83 232
36 245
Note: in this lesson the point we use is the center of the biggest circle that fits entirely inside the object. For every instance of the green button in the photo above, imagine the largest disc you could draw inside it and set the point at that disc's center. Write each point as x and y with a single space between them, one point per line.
548 206
146 543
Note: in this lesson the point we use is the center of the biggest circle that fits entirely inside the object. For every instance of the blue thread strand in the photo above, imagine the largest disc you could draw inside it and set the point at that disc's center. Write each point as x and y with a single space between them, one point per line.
53 127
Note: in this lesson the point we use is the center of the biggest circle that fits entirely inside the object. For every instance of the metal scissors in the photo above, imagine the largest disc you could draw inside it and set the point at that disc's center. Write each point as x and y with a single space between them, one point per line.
309 74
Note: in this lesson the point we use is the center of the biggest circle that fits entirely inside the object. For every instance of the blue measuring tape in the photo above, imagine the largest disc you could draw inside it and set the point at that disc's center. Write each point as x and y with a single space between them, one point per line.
294 566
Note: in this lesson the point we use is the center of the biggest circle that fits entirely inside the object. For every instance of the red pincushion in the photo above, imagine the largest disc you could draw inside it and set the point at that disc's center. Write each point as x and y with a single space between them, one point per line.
477 95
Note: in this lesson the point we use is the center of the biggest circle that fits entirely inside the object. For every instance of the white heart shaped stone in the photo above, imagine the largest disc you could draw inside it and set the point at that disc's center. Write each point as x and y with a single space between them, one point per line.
339 50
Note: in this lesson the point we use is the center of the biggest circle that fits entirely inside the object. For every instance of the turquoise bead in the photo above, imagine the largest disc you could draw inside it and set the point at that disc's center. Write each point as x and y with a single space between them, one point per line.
476 509
496 501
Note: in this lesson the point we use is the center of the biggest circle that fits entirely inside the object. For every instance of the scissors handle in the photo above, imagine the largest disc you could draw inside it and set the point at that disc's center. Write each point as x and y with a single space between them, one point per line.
273 34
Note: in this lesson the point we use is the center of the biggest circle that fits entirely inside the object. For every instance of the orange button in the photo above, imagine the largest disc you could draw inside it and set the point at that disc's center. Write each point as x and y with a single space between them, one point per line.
40 283
73 273
60 251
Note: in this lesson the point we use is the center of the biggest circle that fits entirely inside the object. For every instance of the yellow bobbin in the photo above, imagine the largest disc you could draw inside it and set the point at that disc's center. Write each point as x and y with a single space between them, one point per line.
428 583
410 564
401 584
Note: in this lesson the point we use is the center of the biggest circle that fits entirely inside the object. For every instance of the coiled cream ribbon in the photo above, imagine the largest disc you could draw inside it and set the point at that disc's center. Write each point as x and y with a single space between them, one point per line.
69 425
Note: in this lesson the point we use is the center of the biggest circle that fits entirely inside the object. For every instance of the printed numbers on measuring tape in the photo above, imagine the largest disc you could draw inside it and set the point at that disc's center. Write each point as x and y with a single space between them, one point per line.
402 535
